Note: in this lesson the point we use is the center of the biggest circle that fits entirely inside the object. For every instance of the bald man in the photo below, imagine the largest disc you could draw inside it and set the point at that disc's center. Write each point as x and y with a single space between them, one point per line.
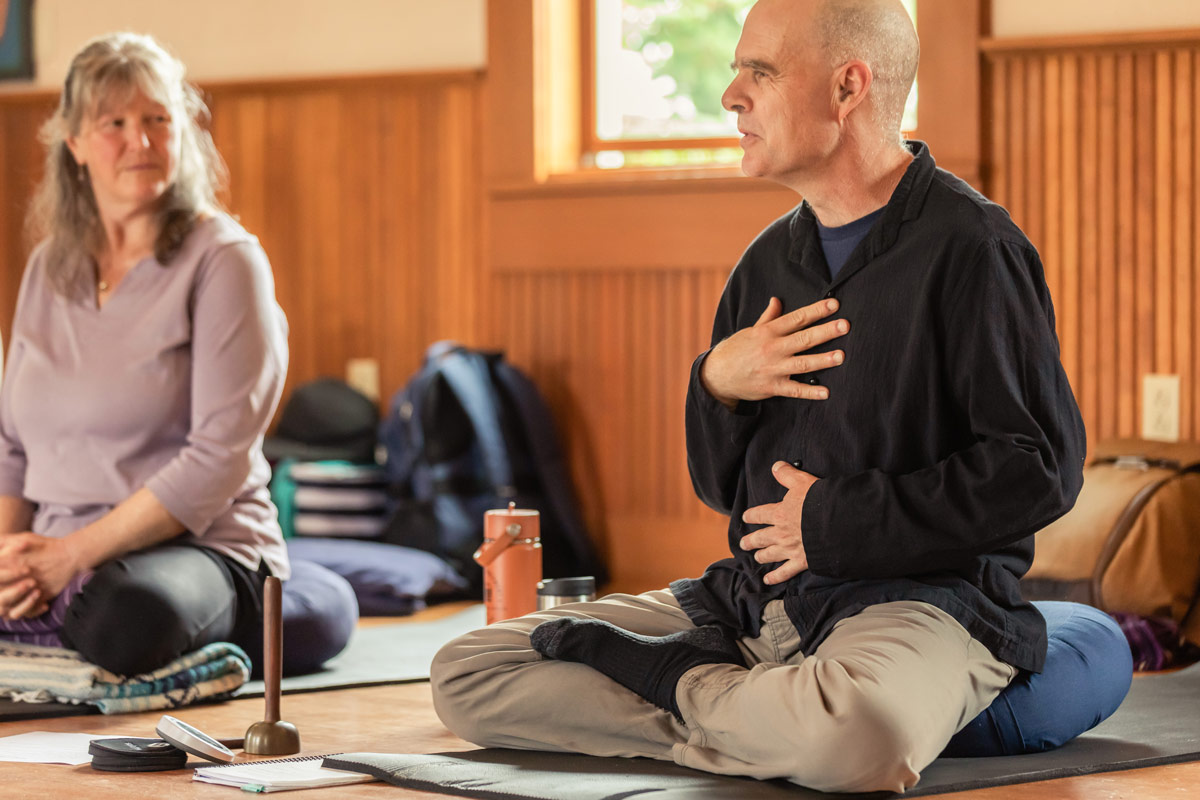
883 415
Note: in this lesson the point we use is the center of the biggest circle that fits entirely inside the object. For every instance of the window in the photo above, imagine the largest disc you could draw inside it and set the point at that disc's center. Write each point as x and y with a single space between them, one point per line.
653 77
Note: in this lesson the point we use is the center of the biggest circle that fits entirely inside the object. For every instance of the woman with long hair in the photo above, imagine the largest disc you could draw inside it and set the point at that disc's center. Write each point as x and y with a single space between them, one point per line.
146 359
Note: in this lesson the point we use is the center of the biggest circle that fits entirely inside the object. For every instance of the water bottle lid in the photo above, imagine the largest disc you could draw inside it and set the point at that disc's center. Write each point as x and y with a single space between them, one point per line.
567 587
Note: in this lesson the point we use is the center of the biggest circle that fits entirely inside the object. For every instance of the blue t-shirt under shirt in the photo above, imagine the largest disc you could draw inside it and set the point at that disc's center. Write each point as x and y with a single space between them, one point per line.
838 243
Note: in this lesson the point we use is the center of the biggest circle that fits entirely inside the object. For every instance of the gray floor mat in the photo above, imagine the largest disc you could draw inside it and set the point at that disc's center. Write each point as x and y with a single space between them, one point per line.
1159 723
382 654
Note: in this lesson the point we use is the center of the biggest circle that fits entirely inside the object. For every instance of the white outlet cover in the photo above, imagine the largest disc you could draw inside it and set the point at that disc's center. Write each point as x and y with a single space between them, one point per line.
1160 408
363 375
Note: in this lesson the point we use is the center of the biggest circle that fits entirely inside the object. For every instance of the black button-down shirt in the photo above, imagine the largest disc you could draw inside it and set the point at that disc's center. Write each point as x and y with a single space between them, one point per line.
949 438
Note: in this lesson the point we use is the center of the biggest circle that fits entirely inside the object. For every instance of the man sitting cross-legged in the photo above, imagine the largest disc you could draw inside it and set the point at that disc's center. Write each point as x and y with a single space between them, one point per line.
884 416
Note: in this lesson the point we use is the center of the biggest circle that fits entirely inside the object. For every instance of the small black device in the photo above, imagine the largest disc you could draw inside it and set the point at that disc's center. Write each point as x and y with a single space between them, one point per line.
135 754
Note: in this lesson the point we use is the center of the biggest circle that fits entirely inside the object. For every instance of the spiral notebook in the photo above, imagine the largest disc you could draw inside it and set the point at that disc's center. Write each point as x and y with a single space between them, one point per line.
278 775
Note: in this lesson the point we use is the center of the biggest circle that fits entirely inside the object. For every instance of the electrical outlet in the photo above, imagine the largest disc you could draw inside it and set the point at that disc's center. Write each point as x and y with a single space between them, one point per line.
363 374
1160 408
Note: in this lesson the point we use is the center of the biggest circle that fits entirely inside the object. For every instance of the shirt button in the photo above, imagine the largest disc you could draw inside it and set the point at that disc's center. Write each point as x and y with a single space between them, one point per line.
814 382
829 294
798 464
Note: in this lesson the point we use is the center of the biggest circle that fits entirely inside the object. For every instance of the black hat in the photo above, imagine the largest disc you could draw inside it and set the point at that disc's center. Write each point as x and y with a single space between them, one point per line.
325 420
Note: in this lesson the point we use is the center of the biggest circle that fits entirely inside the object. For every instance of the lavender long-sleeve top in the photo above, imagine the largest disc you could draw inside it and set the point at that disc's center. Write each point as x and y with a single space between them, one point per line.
169 386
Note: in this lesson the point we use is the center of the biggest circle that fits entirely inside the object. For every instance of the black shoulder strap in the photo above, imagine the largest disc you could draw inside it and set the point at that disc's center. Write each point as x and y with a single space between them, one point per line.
549 464
466 372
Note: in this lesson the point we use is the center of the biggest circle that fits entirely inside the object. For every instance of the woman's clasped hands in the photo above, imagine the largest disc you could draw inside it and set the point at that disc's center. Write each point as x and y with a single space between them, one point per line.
33 570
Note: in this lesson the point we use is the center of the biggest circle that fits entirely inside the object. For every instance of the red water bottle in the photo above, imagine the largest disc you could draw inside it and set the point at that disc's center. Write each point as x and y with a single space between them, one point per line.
511 557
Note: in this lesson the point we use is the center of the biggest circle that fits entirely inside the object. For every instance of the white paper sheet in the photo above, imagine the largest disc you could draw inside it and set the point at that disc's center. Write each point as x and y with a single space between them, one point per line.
41 747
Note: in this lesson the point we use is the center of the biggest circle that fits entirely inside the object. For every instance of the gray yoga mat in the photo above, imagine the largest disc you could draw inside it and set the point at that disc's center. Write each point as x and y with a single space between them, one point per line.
12 710
380 654
1159 723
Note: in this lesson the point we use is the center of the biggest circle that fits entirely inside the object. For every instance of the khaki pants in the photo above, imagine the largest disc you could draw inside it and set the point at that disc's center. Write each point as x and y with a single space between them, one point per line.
871 708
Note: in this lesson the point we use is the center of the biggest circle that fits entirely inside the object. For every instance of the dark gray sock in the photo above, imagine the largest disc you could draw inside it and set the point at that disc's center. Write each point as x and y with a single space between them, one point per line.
650 666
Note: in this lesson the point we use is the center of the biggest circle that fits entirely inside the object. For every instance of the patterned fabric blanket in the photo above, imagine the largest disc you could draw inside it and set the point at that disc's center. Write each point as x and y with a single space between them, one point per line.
34 674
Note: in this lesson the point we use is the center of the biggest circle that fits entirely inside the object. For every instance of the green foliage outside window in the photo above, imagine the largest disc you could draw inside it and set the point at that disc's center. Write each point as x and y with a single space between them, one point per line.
698 36
666 75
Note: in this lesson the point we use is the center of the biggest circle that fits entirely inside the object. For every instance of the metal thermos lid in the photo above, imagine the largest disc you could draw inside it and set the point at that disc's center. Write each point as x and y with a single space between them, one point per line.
569 587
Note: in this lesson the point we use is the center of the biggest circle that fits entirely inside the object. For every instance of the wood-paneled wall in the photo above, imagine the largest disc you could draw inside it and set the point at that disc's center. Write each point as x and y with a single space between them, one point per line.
21 158
394 216
609 282
607 290
612 350
1092 146
366 194
364 191
605 293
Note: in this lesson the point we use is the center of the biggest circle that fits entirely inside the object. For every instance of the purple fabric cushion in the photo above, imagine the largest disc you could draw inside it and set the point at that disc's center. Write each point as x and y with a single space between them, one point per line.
1156 642
319 614
387 579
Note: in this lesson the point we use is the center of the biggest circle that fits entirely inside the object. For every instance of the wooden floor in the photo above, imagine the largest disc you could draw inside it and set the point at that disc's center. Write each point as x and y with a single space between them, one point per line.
400 719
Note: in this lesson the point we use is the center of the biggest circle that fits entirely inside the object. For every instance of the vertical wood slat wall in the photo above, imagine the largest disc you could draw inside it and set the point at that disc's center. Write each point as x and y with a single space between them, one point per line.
612 351
1092 146
604 291
365 193
21 158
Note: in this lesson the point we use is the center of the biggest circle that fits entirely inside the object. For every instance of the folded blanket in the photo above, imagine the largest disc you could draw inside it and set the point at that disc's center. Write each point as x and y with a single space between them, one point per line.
35 674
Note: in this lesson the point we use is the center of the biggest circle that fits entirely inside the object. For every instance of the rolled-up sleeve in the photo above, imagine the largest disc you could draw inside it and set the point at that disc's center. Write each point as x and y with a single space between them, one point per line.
239 361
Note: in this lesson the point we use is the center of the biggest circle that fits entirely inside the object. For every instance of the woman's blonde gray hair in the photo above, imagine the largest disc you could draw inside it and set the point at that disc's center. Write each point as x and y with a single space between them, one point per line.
106 72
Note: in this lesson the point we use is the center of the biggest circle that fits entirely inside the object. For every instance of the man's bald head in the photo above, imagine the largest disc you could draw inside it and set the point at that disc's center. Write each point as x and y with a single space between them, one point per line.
880 33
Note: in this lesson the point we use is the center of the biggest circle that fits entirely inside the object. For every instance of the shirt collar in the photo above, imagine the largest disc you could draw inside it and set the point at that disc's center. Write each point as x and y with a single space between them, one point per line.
905 204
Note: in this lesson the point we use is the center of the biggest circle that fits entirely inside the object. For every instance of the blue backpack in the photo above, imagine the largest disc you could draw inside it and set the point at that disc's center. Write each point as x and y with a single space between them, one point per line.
469 433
